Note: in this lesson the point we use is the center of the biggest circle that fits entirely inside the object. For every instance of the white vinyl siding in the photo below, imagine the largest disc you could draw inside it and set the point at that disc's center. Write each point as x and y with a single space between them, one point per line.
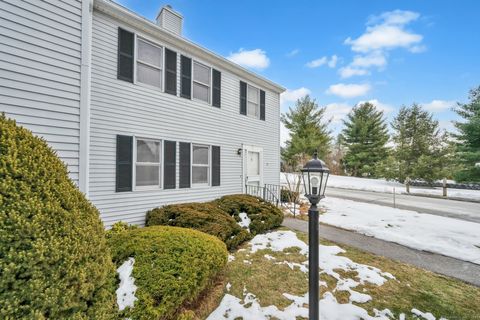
119 107
40 59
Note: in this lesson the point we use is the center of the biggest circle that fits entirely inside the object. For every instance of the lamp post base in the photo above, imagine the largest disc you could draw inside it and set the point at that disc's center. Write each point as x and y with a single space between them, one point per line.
313 281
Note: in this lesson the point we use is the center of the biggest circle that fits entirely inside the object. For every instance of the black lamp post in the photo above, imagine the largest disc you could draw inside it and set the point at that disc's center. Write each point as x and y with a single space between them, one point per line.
315 177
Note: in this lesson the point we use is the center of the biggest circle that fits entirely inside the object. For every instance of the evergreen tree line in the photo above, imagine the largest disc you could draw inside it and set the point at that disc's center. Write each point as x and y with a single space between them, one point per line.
412 146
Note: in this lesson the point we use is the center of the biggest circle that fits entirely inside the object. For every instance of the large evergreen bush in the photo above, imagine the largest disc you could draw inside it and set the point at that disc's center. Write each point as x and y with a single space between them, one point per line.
206 217
54 260
263 215
173 266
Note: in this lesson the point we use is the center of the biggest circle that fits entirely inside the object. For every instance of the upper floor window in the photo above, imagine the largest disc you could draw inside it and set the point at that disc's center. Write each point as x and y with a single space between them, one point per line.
253 102
147 163
149 63
200 164
201 82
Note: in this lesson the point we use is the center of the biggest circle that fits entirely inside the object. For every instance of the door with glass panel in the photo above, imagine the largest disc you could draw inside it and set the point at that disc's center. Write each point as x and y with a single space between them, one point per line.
253 168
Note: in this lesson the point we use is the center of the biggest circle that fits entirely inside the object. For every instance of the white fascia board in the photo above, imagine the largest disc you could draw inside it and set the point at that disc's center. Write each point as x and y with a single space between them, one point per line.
129 17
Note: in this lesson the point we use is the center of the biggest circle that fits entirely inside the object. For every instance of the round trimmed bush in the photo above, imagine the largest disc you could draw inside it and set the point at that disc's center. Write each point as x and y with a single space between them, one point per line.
172 267
263 215
206 217
54 259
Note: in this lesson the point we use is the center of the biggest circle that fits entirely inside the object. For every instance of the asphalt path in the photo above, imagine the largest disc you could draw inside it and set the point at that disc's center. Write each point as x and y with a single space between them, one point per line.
463 270
463 210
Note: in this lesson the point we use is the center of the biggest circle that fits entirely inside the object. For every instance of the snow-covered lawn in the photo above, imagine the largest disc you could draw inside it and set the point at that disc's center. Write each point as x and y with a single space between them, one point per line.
381 185
348 275
451 237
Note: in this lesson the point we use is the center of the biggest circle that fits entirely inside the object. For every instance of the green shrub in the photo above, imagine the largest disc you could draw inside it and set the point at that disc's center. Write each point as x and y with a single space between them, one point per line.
172 267
289 195
263 215
54 260
205 217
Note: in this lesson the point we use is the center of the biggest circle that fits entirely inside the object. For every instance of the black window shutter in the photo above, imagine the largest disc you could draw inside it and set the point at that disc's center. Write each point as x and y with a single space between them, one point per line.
170 71
215 165
184 165
169 164
243 98
124 163
216 87
125 55
262 105
186 70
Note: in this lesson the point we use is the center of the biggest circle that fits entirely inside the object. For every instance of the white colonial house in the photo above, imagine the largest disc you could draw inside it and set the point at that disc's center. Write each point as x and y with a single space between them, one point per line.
141 115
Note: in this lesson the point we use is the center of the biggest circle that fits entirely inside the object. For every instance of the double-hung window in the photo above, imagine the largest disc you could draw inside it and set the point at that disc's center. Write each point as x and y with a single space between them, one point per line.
149 63
202 82
253 102
147 163
200 164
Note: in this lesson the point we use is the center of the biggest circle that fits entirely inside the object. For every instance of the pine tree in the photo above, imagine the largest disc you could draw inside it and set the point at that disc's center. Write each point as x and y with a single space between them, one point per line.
308 132
468 138
422 150
365 136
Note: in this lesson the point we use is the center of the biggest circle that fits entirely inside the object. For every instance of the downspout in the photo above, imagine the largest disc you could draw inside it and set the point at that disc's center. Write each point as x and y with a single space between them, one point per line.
85 88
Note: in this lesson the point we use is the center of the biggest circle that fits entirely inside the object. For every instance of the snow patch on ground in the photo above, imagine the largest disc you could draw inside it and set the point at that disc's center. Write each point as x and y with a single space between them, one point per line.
244 221
451 237
277 241
127 288
249 307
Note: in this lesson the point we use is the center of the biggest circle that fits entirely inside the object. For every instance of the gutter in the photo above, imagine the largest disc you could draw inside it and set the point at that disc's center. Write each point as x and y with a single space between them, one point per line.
85 90
125 15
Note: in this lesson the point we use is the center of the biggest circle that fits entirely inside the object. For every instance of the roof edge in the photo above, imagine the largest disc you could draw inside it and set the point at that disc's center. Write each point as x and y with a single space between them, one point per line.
126 15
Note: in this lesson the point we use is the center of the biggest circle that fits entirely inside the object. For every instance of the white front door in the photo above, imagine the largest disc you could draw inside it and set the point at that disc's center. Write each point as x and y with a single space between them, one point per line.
252 166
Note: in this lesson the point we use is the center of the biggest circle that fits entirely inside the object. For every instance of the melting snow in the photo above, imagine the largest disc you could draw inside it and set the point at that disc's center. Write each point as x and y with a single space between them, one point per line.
244 221
447 236
126 290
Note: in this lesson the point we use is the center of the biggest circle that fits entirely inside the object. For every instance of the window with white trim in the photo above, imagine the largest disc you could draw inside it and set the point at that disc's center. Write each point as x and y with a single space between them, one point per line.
253 102
149 63
147 163
202 81
200 164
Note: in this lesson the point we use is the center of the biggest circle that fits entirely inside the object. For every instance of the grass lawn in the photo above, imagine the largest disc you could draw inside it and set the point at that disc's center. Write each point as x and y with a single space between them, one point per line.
268 277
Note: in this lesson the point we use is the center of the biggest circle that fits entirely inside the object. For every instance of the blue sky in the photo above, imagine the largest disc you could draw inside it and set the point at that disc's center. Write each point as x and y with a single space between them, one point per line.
344 52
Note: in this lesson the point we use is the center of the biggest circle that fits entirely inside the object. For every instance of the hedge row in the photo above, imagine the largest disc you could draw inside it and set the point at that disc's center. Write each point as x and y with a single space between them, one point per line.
172 267
220 217
54 259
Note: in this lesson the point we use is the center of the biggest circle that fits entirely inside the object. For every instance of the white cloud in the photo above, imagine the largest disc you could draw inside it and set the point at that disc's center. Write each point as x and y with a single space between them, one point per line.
337 111
347 72
317 62
293 53
348 90
332 62
396 17
256 59
386 32
418 49
438 105
293 95
386 108
376 59
384 37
